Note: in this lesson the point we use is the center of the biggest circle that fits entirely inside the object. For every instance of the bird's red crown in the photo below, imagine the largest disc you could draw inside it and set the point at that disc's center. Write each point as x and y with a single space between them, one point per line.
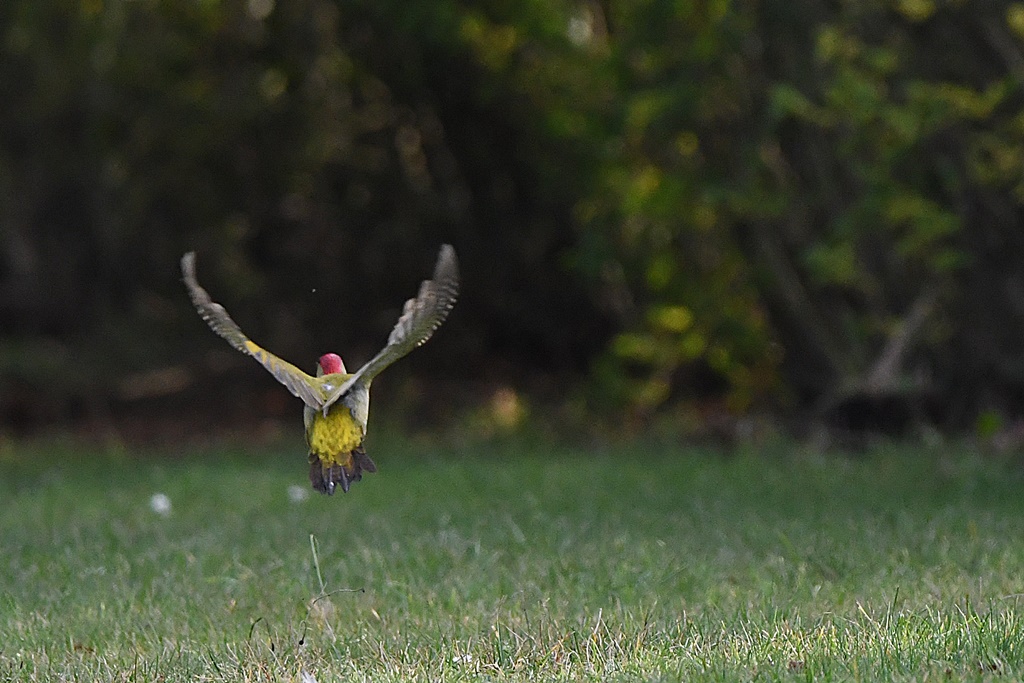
331 363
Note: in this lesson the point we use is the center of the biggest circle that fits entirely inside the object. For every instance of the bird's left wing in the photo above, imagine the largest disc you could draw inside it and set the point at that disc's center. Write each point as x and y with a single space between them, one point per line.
421 316
296 381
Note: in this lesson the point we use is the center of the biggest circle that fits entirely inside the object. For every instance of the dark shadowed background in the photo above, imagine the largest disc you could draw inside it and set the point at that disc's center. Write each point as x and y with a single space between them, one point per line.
694 212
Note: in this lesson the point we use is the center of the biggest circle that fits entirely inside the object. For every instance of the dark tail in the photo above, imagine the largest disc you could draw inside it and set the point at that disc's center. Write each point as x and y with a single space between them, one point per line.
325 478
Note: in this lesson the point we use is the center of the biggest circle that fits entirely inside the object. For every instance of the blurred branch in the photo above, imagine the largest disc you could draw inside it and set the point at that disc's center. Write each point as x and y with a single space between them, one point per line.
885 373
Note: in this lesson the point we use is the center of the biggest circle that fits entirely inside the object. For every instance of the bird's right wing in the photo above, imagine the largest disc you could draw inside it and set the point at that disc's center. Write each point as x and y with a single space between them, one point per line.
420 317
296 381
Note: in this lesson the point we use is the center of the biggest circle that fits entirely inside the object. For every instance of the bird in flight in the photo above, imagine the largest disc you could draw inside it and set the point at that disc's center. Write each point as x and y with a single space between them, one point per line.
338 403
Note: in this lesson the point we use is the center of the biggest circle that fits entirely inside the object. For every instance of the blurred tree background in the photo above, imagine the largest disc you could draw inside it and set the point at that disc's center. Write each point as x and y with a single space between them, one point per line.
696 210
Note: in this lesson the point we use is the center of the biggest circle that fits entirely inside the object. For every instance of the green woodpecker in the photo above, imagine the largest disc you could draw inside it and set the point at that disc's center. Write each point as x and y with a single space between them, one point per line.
338 403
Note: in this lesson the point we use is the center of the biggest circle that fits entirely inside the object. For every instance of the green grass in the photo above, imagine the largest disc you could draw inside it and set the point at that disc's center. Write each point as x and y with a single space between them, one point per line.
509 563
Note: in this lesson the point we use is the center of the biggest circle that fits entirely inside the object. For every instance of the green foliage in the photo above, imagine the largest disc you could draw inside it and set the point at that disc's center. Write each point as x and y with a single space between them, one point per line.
734 204
898 125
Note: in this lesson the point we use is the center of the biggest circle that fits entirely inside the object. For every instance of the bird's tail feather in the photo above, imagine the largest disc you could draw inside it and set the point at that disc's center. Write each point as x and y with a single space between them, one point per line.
325 478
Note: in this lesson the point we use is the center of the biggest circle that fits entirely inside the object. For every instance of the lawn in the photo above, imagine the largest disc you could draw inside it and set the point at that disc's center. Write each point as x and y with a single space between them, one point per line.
512 562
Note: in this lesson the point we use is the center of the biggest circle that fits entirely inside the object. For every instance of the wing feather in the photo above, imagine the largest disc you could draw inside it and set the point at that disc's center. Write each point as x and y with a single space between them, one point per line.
296 381
421 316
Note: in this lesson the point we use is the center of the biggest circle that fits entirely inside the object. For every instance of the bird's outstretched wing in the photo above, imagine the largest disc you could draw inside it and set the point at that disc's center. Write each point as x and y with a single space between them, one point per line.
296 381
420 317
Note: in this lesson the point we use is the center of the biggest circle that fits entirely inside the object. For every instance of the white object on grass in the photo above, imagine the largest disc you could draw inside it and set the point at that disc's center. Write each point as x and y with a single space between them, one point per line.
297 494
160 504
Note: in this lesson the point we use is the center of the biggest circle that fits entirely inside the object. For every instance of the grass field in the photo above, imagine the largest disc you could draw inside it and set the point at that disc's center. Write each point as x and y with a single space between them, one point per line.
512 563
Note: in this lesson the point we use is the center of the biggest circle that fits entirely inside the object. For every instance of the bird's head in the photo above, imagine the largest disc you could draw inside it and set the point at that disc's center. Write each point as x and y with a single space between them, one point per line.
331 363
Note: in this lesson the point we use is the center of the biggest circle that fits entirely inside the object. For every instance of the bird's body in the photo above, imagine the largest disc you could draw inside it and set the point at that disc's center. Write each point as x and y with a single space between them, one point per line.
337 403
332 437
335 438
